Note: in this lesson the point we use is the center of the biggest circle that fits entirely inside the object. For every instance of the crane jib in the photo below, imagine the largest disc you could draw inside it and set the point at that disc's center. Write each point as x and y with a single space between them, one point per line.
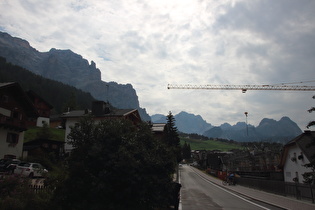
244 88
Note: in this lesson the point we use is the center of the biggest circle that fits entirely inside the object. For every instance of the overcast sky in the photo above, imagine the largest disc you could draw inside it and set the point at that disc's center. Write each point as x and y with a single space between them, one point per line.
152 43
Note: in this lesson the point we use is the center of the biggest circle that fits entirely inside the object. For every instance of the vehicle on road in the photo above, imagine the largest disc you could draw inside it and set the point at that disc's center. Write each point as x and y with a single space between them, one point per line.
8 165
31 170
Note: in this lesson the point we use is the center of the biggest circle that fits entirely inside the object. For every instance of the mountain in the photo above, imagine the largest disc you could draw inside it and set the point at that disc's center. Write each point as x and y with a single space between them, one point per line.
185 122
191 123
67 97
268 129
69 68
158 118
284 127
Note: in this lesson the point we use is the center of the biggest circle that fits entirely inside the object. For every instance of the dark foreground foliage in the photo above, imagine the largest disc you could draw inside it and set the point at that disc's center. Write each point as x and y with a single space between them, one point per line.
116 165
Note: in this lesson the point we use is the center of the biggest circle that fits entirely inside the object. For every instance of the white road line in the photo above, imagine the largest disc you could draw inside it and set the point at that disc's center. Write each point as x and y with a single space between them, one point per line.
248 201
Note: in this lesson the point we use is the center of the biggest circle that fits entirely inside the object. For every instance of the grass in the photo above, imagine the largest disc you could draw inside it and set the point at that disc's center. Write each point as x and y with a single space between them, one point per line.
53 133
196 144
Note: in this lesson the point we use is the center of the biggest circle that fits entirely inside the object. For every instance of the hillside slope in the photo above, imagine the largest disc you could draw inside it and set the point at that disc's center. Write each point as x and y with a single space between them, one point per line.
69 68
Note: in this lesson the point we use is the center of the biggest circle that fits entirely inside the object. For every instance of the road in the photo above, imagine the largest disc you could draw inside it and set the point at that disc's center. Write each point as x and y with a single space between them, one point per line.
199 193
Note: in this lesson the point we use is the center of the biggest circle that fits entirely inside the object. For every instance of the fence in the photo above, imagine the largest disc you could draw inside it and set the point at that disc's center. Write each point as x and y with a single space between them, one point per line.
297 190
38 188
38 185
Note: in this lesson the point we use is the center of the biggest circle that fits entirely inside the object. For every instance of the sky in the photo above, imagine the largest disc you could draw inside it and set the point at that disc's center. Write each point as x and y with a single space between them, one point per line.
153 43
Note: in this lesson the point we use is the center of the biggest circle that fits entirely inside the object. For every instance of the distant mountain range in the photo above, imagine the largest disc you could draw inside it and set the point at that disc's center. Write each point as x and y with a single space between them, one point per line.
268 129
69 68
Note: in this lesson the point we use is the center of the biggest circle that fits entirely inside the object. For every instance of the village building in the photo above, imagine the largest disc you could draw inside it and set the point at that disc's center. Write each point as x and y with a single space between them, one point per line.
43 108
158 129
16 112
100 111
298 152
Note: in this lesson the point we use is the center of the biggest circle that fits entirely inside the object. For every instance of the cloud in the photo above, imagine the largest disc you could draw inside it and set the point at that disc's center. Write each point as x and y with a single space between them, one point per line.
152 43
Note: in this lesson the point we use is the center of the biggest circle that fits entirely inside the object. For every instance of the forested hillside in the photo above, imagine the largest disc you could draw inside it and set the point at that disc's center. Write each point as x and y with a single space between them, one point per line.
59 95
69 68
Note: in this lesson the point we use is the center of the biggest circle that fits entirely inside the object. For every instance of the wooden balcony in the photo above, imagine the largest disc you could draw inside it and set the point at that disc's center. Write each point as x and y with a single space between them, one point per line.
12 123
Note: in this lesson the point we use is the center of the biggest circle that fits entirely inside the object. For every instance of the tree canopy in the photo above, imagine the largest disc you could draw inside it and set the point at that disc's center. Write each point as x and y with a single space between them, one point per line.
116 165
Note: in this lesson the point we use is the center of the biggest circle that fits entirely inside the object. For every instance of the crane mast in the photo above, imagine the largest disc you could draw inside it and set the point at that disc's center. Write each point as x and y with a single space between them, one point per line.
243 88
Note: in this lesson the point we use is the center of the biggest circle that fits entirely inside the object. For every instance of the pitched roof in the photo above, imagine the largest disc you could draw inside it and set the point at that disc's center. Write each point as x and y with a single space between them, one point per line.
32 95
112 113
158 127
21 96
306 142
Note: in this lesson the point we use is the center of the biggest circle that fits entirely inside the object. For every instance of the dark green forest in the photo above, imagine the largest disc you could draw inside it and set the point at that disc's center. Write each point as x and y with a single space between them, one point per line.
59 95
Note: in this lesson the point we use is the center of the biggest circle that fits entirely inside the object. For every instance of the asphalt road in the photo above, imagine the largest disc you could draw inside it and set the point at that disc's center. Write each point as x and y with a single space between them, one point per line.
199 193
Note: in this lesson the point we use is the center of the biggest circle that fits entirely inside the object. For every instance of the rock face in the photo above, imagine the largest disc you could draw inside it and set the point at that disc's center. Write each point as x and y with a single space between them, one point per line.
185 122
268 129
69 68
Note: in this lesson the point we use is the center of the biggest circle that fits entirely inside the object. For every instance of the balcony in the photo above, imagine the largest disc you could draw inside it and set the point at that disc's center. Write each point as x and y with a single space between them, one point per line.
12 123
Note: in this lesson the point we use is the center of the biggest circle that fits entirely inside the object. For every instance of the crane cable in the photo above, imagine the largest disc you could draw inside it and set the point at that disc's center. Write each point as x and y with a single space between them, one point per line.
287 83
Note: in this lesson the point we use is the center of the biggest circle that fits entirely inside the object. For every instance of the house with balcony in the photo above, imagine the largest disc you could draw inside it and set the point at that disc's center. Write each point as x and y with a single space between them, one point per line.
296 153
16 112
43 108
100 111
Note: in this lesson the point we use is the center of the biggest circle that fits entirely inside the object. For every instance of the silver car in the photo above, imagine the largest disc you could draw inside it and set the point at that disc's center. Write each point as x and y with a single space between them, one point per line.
30 170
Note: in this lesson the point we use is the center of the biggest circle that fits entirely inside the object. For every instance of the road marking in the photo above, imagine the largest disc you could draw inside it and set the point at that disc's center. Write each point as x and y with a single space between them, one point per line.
248 201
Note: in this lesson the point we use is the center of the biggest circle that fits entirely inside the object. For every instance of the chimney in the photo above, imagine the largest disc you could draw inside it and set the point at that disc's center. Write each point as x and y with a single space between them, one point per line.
100 108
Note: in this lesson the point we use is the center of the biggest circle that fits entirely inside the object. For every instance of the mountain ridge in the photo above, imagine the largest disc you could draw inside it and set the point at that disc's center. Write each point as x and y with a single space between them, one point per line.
69 68
280 131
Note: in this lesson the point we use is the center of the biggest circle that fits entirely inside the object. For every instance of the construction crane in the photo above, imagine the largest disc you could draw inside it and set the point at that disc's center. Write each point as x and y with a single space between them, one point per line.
244 88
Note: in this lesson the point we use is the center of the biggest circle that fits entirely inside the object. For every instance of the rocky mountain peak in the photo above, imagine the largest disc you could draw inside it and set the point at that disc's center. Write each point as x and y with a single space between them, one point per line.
267 130
69 68
14 41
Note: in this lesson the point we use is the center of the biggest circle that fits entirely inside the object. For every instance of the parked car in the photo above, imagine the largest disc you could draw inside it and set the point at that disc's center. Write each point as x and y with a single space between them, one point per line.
30 170
8 165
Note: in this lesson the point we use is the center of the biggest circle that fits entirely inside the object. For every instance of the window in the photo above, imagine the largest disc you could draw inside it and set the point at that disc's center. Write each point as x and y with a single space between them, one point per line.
12 139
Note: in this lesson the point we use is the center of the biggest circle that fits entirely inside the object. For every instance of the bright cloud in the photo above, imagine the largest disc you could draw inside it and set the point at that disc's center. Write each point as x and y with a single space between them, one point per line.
153 43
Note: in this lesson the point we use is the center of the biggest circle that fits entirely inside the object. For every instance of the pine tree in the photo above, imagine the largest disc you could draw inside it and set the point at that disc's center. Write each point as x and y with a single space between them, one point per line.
186 151
171 137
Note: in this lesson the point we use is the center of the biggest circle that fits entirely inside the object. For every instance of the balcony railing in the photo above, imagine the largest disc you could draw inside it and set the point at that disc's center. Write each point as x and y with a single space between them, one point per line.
12 123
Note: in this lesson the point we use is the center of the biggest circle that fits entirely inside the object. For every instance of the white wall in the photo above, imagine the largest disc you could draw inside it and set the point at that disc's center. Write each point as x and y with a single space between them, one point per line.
4 146
293 168
69 122
40 120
